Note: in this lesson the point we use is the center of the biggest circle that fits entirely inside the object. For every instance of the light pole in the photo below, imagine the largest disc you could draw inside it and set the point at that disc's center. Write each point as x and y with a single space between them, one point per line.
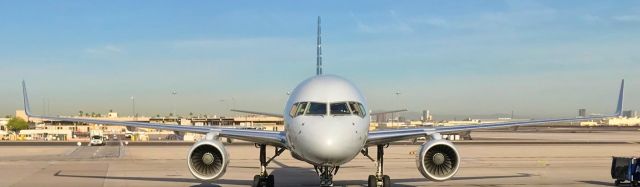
174 93
392 113
44 106
233 102
133 108
225 103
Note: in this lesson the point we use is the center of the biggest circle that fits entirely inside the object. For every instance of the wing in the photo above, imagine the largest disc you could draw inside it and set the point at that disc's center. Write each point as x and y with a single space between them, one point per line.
388 112
258 136
258 113
386 136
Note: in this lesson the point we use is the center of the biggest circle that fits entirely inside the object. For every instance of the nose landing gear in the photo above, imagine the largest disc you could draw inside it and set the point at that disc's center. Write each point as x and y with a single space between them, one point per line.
379 179
326 174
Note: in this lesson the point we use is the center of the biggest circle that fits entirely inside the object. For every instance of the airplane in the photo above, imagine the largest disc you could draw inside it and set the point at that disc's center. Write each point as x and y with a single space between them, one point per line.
326 125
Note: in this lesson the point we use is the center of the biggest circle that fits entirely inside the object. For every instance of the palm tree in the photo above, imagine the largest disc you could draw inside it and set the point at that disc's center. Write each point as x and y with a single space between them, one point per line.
80 112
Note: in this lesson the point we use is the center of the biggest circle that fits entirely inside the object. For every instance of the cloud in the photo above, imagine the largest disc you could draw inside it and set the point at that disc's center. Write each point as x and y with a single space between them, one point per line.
592 18
107 49
383 28
226 43
436 22
516 15
627 18
394 25
257 50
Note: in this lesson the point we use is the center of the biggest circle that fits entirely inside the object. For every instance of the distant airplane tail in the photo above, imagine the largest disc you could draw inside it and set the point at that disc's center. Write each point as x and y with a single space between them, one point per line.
620 100
27 109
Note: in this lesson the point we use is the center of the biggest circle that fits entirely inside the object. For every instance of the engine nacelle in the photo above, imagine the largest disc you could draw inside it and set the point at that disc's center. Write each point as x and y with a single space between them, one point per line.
208 160
437 160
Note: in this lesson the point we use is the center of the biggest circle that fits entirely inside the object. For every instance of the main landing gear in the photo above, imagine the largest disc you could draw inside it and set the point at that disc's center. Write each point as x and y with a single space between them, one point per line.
263 179
326 174
379 179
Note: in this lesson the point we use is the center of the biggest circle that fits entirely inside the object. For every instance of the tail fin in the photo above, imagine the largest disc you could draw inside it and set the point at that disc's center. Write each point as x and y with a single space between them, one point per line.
27 109
620 99
319 51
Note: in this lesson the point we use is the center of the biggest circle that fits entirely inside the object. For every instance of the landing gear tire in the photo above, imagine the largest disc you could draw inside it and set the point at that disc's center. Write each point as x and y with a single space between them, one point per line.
270 181
379 179
259 181
373 182
264 179
256 181
326 174
386 181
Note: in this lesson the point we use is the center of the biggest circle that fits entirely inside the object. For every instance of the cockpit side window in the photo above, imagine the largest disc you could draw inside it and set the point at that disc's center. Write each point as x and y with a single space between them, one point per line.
340 108
317 108
294 110
301 108
357 108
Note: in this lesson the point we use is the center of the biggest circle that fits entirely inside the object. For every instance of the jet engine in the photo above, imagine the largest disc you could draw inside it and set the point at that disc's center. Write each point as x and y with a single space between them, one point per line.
437 160
208 160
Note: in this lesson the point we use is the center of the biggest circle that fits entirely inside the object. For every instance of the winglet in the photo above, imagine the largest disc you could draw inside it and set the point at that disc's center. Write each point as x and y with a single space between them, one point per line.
27 109
620 99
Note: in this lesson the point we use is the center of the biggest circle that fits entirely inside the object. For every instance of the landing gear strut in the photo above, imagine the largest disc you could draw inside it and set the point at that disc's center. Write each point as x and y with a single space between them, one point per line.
379 179
263 178
326 174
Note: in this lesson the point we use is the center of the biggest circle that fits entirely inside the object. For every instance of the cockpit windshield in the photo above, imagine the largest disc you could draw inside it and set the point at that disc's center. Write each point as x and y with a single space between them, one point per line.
301 108
340 109
336 108
317 108
357 109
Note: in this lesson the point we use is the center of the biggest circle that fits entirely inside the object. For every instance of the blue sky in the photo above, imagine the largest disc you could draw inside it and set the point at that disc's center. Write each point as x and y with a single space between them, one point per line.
539 58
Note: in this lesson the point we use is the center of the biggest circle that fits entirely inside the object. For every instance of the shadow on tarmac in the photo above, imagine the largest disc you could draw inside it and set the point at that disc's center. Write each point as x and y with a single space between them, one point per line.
604 183
493 177
301 176
159 179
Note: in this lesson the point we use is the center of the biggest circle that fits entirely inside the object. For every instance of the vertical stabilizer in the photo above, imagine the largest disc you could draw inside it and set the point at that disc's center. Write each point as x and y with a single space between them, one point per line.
27 109
620 99
319 51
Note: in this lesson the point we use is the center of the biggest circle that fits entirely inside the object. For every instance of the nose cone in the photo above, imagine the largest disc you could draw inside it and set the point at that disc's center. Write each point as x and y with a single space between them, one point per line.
333 148
332 144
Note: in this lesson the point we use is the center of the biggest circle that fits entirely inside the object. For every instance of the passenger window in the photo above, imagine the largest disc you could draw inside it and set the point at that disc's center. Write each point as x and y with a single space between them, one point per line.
317 108
357 108
339 109
301 108
294 109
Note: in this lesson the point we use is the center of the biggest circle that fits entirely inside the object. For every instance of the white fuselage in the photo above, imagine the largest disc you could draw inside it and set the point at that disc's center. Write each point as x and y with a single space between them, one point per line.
332 138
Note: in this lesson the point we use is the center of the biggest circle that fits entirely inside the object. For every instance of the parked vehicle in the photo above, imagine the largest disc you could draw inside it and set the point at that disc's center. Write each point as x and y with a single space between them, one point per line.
128 134
97 138
625 169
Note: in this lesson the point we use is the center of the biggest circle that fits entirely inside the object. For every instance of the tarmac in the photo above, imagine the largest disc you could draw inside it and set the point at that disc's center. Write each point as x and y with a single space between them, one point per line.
492 158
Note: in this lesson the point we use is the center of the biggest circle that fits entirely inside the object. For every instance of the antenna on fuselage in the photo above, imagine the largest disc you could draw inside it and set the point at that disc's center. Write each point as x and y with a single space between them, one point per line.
319 51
